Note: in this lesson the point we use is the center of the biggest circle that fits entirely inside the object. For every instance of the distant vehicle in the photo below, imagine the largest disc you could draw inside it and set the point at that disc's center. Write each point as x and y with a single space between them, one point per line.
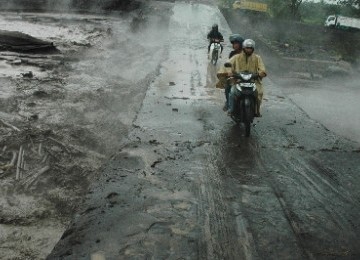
342 22
250 5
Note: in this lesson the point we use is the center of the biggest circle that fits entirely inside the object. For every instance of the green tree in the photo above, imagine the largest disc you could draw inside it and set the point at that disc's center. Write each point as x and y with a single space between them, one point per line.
294 8
316 13
285 9
351 7
350 2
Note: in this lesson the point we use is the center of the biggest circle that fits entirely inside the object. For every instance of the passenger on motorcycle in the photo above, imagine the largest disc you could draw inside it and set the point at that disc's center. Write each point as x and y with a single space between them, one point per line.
213 35
248 61
236 41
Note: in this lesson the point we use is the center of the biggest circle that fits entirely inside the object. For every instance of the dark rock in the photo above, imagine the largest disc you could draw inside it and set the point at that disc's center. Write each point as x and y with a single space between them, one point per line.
21 42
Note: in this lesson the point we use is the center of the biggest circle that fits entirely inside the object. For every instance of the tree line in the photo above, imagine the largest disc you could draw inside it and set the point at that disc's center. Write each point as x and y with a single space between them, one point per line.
313 12
307 11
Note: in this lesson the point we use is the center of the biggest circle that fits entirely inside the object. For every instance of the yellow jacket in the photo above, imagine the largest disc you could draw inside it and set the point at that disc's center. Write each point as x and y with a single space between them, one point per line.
252 63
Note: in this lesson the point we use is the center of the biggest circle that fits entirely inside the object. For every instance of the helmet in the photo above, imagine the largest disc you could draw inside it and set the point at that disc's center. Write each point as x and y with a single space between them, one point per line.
215 27
236 38
248 43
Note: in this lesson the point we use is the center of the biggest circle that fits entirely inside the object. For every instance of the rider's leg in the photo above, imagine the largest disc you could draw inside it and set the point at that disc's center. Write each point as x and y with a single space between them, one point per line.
226 105
260 93
231 100
208 53
227 92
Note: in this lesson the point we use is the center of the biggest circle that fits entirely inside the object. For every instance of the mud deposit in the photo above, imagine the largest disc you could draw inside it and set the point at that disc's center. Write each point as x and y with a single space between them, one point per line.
62 114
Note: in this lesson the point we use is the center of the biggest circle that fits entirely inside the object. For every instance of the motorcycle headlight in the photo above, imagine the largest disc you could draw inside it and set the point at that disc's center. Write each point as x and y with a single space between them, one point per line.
246 76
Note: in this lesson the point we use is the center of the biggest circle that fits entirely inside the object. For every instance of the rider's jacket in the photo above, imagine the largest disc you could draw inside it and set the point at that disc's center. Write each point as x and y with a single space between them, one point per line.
252 63
215 35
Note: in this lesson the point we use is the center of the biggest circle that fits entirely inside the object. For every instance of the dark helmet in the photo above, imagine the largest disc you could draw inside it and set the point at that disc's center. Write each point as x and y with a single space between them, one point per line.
215 27
236 38
249 43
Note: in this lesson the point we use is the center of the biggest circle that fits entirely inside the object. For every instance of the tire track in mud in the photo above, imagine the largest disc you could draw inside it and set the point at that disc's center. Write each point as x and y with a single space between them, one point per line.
321 195
218 219
316 192
243 187
268 185
287 211
226 233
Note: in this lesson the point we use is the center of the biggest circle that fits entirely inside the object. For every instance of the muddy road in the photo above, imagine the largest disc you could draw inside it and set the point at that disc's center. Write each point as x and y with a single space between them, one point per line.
189 185
178 179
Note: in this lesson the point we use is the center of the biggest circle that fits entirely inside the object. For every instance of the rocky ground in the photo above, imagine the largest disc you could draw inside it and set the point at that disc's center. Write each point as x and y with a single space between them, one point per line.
64 113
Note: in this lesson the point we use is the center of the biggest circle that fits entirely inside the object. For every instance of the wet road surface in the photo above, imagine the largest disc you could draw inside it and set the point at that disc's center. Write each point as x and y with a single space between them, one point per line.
339 97
190 185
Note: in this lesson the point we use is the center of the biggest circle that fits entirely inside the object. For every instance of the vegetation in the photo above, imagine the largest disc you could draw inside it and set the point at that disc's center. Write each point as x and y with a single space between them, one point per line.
312 12
316 13
305 11
353 6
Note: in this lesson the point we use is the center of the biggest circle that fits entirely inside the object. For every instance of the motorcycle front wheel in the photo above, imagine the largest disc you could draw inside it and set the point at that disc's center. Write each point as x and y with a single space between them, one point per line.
248 115
214 57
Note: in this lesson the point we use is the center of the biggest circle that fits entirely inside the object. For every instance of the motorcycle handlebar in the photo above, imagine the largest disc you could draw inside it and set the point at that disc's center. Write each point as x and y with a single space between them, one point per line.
220 40
255 76
236 75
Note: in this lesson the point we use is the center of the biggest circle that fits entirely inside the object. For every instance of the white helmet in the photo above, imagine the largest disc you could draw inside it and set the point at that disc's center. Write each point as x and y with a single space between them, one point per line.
248 43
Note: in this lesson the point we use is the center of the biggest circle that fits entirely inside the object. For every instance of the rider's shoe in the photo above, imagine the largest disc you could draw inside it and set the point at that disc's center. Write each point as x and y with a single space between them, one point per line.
258 115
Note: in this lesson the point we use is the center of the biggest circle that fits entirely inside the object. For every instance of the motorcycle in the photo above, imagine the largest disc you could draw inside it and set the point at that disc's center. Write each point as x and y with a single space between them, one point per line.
245 98
215 49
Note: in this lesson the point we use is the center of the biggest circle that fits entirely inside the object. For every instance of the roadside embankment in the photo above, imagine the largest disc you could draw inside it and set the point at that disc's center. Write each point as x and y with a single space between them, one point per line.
299 47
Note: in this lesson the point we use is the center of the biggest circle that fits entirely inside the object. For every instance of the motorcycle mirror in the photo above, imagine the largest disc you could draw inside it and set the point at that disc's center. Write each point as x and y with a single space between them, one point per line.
227 65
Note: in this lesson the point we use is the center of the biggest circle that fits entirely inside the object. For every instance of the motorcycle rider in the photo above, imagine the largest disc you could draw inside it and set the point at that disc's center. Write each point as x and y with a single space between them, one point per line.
214 34
247 60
